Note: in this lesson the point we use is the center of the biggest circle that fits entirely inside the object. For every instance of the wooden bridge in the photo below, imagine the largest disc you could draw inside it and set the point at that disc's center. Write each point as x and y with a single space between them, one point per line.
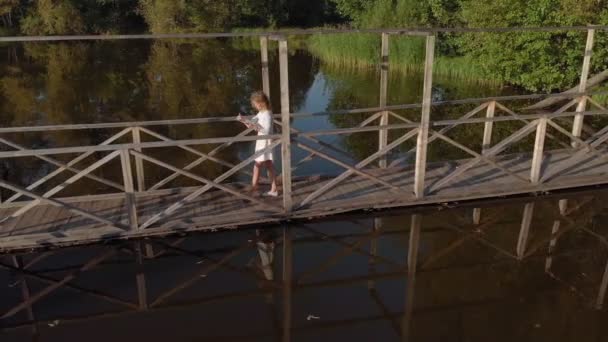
568 151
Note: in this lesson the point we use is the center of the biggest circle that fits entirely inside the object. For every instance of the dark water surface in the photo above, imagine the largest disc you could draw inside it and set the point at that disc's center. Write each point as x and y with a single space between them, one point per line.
93 82
350 281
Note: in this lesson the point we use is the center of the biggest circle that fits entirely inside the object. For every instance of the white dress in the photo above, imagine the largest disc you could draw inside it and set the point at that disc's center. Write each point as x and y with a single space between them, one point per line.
264 120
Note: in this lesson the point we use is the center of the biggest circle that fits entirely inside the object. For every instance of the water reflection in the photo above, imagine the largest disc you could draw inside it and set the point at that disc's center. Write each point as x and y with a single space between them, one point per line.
523 270
91 82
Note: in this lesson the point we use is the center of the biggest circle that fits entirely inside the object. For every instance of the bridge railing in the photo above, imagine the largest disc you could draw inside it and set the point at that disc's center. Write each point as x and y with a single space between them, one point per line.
410 183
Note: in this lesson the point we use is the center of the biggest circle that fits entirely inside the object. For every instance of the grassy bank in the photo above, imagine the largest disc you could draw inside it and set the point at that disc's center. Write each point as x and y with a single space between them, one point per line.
406 55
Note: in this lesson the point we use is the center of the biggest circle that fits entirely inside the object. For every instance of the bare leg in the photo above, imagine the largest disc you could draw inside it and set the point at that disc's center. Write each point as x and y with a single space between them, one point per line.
271 175
256 176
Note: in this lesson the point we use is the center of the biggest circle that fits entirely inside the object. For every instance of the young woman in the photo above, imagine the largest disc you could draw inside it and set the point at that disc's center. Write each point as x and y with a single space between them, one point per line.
262 123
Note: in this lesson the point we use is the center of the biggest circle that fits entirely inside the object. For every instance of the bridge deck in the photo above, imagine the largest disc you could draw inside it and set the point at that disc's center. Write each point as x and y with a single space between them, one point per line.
49 225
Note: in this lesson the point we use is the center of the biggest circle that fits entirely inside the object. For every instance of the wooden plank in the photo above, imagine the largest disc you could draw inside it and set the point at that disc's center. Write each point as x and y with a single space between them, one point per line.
582 105
383 133
539 148
265 74
31 223
286 125
139 164
359 165
487 130
127 177
423 133
65 184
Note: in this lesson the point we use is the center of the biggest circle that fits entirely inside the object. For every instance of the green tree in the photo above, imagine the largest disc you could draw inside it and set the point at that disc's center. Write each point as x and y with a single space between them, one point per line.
49 17
536 61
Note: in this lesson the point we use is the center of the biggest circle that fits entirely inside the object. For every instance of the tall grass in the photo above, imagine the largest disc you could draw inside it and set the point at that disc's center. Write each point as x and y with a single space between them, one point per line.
407 55
296 42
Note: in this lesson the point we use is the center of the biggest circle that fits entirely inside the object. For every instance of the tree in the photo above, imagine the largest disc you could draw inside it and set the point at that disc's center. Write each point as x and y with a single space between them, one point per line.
50 17
536 61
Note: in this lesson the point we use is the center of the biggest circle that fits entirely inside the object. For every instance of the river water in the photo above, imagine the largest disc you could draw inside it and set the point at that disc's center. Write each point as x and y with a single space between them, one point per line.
349 274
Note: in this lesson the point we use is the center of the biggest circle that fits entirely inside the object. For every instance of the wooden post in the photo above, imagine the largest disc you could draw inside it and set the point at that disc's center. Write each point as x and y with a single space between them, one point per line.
139 164
287 282
577 126
383 133
522 241
486 142
423 134
487 130
539 149
265 74
412 260
286 125
127 176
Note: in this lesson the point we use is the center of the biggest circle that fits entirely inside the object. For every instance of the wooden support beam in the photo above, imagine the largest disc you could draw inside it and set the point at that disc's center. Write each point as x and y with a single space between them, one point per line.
384 64
524 231
139 164
434 136
496 149
577 126
423 133
591 82
265 73
590 145
487 129
69 165
198 161
206 188
206 181
202 155
60 187
346 166
286 125
325 145
539 150
130 200
359 166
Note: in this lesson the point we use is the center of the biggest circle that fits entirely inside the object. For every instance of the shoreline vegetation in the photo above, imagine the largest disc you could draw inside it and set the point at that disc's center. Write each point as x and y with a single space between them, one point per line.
406 56
532 61
353 51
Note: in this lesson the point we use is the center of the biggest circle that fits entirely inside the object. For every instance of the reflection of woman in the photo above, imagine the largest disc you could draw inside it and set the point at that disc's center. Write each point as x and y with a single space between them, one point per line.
266 252
262 123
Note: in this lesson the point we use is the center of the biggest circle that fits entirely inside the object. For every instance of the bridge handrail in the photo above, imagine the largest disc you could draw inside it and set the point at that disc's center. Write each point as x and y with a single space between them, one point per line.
403 31
219 119
314 133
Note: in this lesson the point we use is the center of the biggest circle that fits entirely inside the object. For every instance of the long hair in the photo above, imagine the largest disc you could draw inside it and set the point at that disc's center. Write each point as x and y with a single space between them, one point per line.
260 97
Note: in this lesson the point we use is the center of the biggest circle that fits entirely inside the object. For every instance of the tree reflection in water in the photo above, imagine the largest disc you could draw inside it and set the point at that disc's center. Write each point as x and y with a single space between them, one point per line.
429 275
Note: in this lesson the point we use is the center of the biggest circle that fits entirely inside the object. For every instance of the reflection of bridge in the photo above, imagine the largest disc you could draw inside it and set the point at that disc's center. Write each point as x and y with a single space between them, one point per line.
567 152
132 277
